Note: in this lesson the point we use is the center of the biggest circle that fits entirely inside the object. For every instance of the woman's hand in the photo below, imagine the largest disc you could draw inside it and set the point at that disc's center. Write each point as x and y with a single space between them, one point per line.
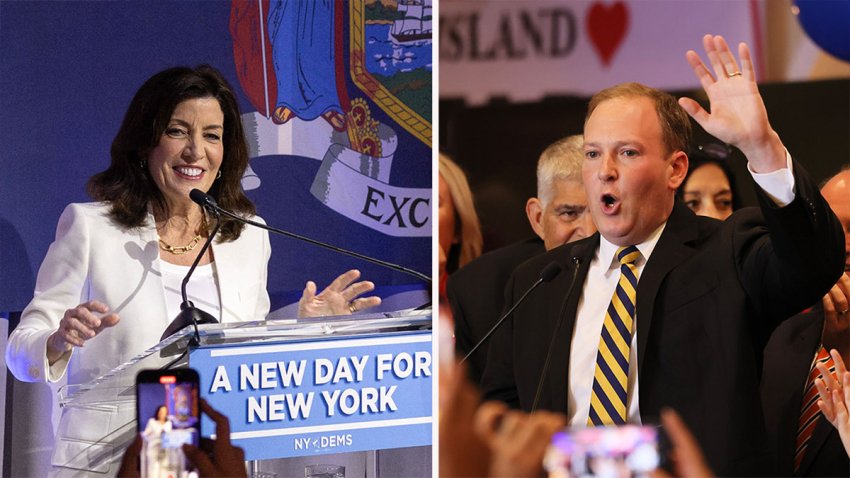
339 298
78 325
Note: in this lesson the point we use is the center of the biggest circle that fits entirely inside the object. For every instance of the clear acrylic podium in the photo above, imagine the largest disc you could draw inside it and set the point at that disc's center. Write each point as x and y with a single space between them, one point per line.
327 354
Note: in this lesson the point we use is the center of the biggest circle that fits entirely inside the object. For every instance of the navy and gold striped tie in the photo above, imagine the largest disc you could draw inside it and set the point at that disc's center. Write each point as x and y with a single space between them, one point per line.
609 397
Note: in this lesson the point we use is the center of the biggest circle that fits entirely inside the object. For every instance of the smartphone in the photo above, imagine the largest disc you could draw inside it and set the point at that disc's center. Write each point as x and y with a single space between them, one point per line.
624 451
167 416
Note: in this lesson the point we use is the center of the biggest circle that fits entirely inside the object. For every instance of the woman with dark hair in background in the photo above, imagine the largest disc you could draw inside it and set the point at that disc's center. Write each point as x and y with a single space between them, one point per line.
110 283
709 188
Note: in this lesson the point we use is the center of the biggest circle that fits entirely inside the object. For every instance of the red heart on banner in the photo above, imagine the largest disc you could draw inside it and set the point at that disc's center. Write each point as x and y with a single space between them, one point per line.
607 28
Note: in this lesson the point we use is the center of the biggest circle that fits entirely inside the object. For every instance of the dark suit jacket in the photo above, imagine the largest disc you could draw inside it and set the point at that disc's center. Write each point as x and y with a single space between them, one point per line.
476 294
787 360
707 299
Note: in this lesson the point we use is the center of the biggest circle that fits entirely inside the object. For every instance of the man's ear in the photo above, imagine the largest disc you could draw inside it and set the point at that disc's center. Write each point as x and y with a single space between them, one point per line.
678 170
534 211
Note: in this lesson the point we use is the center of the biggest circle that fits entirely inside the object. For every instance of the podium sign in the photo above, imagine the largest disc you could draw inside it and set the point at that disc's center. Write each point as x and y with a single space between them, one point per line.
318 396
291 387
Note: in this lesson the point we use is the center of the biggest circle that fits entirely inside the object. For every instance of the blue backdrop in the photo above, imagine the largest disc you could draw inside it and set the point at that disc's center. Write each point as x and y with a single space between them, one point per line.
69 69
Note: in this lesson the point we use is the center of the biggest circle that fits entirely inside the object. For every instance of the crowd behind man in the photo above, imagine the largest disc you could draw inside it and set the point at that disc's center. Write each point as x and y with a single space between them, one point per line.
695 300
558 215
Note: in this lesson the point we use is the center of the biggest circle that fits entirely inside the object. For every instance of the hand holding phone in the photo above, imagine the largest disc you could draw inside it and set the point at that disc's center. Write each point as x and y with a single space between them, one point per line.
167 417
625 451
517 440
226 460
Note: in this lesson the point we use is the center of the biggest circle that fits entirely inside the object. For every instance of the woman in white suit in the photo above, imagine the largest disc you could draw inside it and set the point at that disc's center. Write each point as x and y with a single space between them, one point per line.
154 453
110 283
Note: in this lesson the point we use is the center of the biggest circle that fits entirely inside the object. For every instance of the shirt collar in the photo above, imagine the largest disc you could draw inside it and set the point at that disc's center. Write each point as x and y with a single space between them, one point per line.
607 251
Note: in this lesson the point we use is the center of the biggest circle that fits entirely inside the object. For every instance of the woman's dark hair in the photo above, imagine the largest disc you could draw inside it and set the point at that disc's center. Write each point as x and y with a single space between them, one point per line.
711 153
127 184
156 412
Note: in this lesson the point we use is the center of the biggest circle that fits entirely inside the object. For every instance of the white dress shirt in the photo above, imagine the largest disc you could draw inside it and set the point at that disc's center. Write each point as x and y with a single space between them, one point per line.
602 278
599 286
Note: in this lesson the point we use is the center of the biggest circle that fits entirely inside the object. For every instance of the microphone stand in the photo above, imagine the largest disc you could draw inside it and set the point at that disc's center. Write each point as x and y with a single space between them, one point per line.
189 314
538 393
390 265
207 201
546 275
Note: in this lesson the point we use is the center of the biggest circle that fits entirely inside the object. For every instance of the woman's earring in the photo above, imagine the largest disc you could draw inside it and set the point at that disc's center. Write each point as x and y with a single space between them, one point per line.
143 164
218 176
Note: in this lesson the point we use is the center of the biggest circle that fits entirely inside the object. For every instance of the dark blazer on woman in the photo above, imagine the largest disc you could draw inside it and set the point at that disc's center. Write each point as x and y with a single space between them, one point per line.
707 300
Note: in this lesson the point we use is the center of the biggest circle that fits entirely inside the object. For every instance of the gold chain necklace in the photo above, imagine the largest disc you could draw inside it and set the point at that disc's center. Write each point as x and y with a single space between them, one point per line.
177 250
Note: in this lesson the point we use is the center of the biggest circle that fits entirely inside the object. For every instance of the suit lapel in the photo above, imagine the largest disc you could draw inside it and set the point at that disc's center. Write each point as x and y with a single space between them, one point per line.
822 431
796 361
672 248
563 308
805 344
149 244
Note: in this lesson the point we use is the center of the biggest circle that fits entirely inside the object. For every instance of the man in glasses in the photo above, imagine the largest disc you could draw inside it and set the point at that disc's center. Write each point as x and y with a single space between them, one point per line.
663 308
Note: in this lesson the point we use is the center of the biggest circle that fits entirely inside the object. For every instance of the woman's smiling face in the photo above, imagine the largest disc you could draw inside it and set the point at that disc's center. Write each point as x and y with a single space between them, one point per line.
190 150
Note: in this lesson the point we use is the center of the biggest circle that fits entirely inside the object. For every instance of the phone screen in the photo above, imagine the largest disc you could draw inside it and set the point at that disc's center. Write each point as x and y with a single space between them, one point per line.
625 451
167 415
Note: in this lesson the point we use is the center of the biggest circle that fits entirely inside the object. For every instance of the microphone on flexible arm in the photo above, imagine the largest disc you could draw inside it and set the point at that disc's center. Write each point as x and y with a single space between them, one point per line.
189 314
577 264
546 275
209 202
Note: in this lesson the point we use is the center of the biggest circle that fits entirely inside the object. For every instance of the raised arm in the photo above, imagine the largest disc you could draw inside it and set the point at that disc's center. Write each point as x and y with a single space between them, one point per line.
737 115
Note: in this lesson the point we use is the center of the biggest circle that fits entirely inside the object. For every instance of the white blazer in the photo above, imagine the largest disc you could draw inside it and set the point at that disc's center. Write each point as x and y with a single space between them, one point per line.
93 258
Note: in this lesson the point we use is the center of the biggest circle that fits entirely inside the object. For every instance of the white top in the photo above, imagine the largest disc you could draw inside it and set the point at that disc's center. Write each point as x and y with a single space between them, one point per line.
202 288
93 258
154 430
601 281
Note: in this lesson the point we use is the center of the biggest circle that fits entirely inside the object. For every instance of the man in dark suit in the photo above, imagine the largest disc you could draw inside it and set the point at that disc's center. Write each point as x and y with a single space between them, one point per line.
664 308
557 215
788 360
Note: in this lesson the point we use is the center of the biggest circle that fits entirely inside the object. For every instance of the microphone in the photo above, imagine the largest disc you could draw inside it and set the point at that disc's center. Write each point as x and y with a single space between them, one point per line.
204 200
546 275
210 204
189 314
577 264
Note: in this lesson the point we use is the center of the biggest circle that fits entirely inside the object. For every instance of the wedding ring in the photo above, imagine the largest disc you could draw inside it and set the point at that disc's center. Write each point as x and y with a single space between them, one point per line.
352 308
842 312
737 73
